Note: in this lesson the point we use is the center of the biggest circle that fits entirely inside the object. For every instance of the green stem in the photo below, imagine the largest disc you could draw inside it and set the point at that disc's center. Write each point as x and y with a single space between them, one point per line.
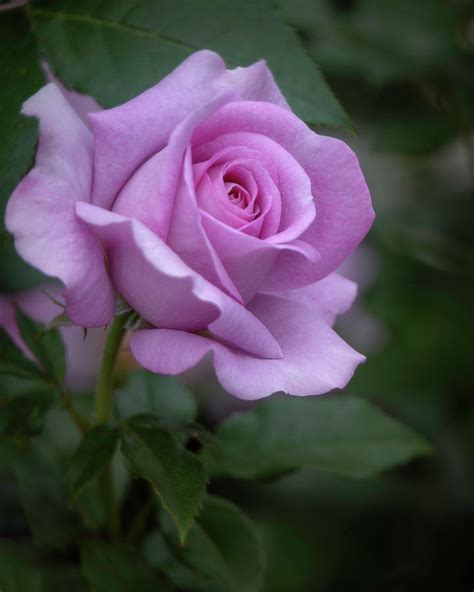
103 412
103 397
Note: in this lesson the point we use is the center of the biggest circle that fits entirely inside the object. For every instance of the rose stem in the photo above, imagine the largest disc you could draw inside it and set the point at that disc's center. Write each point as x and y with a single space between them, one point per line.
103 411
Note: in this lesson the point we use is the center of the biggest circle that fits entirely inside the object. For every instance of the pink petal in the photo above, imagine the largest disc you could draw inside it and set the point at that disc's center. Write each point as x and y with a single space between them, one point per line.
255 83
247 259
344 211
215 199
189 240
82 104
129 134
168 293
315 359
41 216
330 297
297 204
161 195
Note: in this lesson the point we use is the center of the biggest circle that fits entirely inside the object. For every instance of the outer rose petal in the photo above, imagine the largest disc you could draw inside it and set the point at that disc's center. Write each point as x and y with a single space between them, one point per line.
330 297
83 353
344 211
161 195
248 259
255 83
82 104
315 359
41 213
168 293
129 134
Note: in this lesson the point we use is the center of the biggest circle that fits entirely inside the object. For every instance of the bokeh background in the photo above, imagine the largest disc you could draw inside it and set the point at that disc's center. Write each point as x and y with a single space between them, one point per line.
404 72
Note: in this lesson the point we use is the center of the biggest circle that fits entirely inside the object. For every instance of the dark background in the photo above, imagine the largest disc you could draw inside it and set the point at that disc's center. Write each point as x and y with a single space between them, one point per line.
404 72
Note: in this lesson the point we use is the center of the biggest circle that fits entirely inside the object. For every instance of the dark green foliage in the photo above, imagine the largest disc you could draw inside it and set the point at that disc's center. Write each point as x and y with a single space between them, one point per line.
18 572
176 475
94 452
107 568
223 552
47 347
165 397
342 434
128 46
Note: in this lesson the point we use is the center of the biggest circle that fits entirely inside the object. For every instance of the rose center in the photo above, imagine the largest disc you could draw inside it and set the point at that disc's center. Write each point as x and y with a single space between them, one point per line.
238 195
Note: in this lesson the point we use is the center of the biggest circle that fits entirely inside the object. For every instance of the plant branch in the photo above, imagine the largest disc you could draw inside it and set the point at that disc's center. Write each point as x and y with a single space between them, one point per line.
104 391
103 412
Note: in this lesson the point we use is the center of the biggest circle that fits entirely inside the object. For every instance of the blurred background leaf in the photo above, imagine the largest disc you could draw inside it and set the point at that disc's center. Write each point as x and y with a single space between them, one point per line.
341 434
223 553
21 77
129 46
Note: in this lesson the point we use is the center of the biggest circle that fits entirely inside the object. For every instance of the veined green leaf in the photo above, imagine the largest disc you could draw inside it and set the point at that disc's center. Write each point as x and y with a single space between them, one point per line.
342 434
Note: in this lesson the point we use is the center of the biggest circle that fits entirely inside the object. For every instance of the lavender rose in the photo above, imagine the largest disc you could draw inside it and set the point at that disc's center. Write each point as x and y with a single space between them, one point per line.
215 212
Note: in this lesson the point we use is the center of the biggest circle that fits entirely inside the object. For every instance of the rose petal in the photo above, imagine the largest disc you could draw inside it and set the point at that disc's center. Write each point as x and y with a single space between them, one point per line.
129 134
267 197
41 216
343 205
247 259
255 83
161 195
168 293
330 297
315 359
82 104
188 239
294 186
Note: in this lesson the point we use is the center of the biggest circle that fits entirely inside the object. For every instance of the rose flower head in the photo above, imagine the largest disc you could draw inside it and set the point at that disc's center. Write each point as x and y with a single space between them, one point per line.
215 212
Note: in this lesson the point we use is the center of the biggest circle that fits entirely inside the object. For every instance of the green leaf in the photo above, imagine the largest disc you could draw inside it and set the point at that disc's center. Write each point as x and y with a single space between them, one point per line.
46 345
15 274
342 434
108 569
21 78
17 570
177 475
114 51
223 547
164 396
158 552
380 41
25 414
14 363
94 452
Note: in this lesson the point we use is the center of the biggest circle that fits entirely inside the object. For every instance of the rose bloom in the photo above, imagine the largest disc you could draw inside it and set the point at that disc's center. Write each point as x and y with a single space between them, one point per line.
215 212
